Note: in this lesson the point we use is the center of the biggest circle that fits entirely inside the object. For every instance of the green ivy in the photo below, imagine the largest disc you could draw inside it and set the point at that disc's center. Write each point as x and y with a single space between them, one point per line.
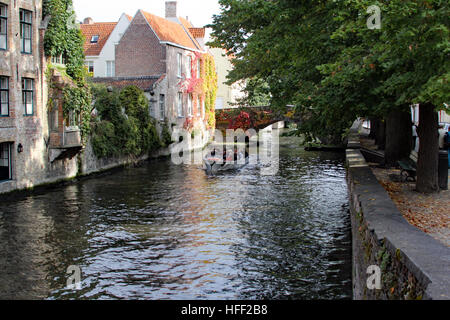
210 89
64 37
123 126
166 137
78 100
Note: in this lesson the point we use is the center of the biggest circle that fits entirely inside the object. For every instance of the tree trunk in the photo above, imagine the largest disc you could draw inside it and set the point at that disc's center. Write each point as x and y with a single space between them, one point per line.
373 128
381 135
398 136
428 162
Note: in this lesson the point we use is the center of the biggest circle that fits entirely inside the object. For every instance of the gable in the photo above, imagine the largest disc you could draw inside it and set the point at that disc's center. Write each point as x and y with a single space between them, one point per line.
101 29
168 31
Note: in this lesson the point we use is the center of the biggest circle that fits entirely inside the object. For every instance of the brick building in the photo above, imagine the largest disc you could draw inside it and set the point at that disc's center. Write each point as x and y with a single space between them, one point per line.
25 146
161 55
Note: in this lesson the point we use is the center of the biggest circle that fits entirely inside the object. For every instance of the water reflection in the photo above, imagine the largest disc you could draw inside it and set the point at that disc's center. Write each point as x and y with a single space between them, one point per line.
170 232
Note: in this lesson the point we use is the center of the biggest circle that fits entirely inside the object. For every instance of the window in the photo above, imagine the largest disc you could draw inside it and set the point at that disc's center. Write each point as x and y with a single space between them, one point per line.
5 162
110 68
190 105
4 97
151 108
59 60
90 66
189 68
180 105
94 39
199 104
26 32
199 70
180 65
73 119
27 96
3 27
53 117
162 107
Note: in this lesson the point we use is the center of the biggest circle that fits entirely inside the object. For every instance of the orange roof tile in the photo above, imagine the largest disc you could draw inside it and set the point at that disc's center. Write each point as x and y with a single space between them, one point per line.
198 32
101 29
170 31
185 23
187 26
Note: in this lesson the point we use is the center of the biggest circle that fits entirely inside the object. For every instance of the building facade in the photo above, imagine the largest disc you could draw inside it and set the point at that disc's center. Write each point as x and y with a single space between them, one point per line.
163 56
25 132
227 95
100 44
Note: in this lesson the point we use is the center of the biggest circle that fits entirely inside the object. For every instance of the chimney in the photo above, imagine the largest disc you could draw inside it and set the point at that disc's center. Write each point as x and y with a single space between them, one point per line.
171 10
88 21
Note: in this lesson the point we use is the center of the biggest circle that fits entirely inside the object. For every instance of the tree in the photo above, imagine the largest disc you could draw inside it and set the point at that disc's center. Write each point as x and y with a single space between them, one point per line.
322 57
412 51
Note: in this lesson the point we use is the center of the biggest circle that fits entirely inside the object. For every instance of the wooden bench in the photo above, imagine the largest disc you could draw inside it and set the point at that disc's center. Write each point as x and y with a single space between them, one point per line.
409 167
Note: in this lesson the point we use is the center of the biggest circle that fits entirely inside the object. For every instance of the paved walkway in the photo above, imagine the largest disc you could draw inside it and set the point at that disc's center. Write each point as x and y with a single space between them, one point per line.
430 213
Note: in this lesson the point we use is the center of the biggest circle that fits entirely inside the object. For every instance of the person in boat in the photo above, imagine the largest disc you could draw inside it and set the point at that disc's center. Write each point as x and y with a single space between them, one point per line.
247 146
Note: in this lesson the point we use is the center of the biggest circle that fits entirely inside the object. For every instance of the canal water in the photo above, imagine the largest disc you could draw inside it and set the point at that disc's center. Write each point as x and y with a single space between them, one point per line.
162 231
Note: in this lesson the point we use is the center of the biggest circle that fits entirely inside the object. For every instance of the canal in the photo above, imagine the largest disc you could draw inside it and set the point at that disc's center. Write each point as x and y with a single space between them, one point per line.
162 231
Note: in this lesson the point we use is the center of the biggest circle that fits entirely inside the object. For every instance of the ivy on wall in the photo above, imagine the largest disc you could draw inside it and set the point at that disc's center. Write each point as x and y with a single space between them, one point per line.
205 86
78 100
123 126
209 76
64 38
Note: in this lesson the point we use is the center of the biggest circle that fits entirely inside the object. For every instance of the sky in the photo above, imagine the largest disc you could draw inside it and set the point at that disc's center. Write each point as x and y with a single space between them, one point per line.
199 12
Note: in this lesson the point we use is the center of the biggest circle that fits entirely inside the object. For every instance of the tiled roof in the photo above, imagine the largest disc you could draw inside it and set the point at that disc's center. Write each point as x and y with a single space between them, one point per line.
187 26
129 17
197 32
101 29
145 83
170 31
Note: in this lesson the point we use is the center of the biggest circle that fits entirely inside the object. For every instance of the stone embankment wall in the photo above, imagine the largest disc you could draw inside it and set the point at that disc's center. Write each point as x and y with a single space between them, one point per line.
413 265
86 163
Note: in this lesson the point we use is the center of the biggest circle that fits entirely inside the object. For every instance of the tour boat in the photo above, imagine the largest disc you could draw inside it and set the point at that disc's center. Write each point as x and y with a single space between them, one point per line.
214 164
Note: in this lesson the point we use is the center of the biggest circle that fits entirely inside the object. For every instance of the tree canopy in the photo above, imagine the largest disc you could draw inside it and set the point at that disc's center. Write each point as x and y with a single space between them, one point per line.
322 57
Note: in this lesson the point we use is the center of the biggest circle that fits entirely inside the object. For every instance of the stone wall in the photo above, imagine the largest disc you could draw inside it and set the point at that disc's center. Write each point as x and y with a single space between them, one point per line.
413 265
90 164
31 165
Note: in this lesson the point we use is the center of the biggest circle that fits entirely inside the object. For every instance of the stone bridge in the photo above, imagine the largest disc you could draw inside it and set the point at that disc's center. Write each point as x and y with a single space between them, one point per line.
246 118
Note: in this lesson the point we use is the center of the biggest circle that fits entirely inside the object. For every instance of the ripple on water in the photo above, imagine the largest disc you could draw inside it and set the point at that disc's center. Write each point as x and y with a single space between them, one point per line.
169 232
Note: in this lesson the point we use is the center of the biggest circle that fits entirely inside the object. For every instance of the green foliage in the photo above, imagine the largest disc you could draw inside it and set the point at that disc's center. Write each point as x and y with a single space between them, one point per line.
321 57
166 137
209 76
103 132
257 93
123 126
63 37
78 100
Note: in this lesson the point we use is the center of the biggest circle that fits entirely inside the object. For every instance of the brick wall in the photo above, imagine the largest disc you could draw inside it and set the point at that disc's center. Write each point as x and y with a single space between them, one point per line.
139 52
30 167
